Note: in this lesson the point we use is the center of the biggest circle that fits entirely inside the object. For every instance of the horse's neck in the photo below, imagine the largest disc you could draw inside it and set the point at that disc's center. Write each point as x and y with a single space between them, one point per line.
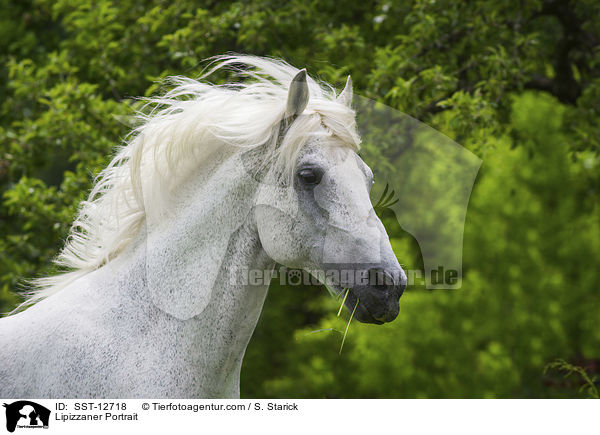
206 350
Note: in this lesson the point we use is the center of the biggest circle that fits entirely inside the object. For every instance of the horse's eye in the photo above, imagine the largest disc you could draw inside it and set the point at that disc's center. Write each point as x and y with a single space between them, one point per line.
310 176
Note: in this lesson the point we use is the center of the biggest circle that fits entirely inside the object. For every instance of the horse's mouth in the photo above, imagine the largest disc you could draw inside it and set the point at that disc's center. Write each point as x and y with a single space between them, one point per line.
368 311
374 298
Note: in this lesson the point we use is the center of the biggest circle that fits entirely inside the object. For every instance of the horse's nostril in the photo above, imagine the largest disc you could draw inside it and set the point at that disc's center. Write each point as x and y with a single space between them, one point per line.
383 280
380 279
401 286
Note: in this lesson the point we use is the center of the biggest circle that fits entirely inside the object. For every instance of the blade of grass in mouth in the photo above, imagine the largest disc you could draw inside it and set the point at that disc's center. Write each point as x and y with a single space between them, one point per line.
342 306
348 325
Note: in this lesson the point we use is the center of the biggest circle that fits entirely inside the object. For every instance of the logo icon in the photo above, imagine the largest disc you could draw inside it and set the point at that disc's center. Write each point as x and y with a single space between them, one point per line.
26 414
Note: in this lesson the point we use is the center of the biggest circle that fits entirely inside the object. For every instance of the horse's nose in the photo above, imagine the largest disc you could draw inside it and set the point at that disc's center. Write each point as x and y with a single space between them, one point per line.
391 281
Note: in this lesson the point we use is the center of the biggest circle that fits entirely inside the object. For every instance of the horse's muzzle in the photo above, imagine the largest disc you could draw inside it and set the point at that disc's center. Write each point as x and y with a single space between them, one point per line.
377 299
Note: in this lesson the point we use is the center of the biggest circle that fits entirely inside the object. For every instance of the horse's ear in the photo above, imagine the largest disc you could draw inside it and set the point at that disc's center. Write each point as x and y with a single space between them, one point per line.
346 96
297 96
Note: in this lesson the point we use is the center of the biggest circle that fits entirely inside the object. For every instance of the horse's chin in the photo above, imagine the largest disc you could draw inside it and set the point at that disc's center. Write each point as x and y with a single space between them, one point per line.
365 316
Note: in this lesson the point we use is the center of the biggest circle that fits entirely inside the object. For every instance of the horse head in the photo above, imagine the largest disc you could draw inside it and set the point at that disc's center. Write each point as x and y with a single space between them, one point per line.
320 218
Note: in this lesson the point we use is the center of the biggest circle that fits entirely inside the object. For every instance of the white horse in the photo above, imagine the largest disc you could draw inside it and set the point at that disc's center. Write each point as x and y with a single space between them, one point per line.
217 181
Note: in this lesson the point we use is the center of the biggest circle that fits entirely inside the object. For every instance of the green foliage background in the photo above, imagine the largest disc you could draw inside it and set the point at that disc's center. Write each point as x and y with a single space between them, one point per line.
517 82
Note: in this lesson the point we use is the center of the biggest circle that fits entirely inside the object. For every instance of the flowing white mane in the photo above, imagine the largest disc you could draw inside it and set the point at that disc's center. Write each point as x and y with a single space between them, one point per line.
179 130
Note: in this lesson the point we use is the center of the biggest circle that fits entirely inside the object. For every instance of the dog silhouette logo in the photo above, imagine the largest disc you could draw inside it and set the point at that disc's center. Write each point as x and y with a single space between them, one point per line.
26 414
